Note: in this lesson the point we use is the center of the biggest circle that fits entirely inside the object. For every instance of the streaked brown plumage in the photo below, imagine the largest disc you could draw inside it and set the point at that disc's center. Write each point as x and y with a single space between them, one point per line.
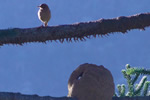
44 14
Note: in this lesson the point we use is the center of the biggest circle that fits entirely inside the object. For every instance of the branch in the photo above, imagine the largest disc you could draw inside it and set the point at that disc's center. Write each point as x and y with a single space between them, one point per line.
77 31
18 96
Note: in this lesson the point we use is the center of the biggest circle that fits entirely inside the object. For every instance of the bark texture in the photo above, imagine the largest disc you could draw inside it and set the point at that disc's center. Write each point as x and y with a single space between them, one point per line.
91 82
75 32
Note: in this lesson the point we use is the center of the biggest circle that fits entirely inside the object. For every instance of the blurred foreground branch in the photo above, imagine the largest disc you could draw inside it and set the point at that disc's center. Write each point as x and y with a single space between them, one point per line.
77 31
18 96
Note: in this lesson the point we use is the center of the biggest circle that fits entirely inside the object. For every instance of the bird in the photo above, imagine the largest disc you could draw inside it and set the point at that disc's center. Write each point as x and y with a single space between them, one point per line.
44 14
91 82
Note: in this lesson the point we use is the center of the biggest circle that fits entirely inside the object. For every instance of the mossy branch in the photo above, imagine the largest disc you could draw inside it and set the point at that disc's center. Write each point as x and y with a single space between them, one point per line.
76 32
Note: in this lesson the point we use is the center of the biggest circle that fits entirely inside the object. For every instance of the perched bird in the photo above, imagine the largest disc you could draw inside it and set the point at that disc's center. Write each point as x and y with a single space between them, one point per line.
44 14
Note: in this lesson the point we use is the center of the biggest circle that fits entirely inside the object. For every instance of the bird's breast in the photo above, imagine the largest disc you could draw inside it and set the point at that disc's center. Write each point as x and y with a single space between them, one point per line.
44 15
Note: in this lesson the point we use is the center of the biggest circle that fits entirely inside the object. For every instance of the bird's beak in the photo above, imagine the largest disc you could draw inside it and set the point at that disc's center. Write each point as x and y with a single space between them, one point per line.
38 6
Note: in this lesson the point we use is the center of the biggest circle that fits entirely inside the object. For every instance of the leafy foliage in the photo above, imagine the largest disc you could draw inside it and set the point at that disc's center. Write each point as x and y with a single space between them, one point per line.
132 75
